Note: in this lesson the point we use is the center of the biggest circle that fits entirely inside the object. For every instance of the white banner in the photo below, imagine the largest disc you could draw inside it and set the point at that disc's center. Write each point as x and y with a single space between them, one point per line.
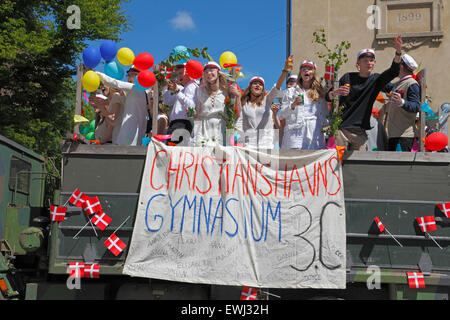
231 216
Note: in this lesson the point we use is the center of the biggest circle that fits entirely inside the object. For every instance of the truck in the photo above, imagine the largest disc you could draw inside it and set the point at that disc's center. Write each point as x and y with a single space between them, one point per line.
35 251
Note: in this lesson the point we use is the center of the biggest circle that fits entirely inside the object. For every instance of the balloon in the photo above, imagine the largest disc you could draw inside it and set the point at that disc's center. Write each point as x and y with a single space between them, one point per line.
143 61
90 81
436 141
181 50
114 70
90 136
125 56
139 87
108 50
91 57
146 78
92 126
84 130
227 57
194 69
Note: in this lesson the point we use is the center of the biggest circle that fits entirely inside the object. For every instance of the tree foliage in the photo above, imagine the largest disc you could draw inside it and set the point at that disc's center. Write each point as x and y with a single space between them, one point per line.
38 54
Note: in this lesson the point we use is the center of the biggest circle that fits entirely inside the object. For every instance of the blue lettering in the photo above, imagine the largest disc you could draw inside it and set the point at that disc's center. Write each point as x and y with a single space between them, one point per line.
231 235
173 211
207 218
277 214
218 217
156 215
190 205
262 221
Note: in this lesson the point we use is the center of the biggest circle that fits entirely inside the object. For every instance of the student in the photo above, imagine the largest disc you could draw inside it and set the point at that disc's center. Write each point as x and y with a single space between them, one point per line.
400 113
182 100
257 113
209 104
304 109
134 122
111 112
358 92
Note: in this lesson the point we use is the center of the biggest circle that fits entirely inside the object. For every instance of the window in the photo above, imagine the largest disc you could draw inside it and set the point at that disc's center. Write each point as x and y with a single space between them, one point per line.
20 174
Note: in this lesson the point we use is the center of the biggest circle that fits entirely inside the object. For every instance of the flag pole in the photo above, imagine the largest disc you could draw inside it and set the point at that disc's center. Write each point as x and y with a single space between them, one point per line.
393 237
93 228
121 224
75 236
429 235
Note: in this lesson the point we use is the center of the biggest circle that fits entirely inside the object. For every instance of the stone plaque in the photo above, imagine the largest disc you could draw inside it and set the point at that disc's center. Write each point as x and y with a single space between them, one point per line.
412 18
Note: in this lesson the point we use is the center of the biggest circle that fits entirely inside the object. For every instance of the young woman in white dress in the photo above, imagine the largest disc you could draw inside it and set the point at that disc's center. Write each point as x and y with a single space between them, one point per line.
209 102
305 111
257 113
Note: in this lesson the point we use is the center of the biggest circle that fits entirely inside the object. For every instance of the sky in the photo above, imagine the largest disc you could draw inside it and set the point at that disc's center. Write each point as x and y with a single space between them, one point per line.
255 31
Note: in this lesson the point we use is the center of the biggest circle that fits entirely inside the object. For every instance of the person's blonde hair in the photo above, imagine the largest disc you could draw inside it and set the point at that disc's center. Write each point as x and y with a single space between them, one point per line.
316 91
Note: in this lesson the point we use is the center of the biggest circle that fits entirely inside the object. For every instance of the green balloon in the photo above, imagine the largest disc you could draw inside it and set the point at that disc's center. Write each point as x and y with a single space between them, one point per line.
84 130
92 125
90 136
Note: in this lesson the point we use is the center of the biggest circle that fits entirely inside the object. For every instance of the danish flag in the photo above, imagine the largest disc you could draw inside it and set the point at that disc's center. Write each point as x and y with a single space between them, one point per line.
380 225
76 269
101 220
329 73
248 293
426 223
92 205
57 213
77 198
416 280
445 208
114 244
92 271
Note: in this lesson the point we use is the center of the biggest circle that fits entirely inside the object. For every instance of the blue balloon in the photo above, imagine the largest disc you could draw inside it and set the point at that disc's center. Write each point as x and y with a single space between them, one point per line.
108 50
145 141
138 86
181 50
91 57
114 70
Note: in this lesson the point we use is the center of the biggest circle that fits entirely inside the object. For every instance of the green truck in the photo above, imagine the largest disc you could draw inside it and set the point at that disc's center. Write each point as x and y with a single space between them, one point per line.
35 252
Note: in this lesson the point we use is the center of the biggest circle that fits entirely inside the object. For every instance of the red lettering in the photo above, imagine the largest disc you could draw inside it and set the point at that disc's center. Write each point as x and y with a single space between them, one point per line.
195 171
206 174
153 167
337 177
177 170
250 177
299 180
183 171
268 182
239 164
324 177
307 178
279 180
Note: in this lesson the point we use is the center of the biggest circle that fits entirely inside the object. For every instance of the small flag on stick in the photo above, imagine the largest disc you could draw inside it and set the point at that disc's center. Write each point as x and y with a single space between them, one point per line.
426 224
249 293
92 271
76 269
382 228
57 213
416 280
445 208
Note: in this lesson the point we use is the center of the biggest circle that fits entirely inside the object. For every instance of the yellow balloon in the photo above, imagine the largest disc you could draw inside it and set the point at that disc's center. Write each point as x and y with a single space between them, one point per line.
227 57
90 81
125 56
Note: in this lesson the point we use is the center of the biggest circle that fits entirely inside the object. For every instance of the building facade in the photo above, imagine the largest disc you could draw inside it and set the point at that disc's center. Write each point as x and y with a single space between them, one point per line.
373 24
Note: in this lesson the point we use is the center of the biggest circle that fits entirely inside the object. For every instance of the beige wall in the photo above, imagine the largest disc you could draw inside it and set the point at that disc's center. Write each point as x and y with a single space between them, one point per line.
347 20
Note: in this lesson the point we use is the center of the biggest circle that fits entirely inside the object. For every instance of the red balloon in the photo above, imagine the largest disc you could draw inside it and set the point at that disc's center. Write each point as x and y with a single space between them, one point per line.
146 78
194 69
143 61
436 141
